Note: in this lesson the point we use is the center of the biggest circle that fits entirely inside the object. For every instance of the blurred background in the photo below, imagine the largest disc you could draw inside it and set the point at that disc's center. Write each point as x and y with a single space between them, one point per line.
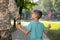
51 7
27 6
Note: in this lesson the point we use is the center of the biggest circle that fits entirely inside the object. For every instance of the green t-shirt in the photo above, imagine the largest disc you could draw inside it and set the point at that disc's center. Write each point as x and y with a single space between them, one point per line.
36 30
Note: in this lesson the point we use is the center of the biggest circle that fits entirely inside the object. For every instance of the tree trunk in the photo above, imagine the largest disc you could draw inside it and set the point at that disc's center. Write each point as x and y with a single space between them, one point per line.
21 7
7 7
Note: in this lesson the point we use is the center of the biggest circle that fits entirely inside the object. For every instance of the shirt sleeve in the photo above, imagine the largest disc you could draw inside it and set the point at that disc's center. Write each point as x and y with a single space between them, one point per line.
13 9
29 27
44 28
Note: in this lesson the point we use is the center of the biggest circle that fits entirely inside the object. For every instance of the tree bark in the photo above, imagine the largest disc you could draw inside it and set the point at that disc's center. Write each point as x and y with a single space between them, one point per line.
7 7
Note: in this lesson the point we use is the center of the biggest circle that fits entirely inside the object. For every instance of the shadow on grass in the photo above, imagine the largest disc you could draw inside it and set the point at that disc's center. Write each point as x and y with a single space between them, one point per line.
54 34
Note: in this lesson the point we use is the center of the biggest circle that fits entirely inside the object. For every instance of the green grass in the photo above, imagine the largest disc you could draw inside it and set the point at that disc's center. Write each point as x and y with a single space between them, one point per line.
54 33
54 25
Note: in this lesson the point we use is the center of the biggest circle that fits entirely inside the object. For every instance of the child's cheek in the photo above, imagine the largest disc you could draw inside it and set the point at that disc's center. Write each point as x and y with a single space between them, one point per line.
32 16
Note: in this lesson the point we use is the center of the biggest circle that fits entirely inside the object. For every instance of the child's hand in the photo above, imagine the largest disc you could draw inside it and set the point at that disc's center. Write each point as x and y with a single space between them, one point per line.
18 26
49 26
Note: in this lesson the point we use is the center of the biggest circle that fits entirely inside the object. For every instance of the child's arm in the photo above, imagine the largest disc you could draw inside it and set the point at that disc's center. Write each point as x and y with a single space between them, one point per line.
46 31
22 30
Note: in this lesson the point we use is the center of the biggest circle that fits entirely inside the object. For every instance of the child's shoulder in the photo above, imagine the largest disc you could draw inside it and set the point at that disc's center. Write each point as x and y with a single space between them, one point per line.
41 23
31 22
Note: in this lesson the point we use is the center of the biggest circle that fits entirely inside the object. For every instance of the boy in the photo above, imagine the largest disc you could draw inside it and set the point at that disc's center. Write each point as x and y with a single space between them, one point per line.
35 28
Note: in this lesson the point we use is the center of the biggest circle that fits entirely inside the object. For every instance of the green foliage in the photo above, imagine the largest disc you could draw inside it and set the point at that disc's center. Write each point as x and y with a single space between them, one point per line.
26 4
53 4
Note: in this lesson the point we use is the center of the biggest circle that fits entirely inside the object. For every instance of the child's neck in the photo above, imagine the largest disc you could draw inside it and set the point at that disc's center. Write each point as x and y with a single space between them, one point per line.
36 20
